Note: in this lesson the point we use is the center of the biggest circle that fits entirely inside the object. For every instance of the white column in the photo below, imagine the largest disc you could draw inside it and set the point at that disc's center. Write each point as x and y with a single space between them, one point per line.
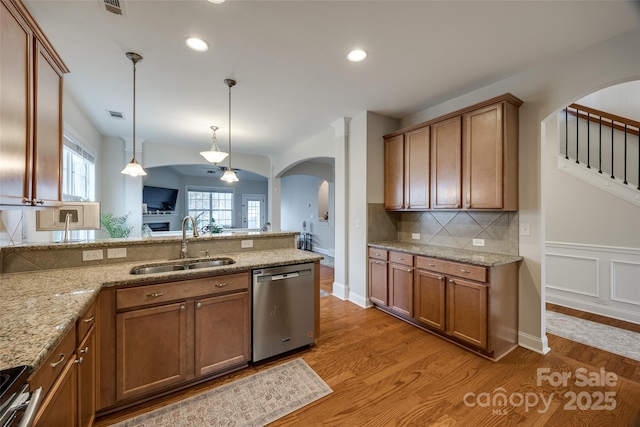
341 135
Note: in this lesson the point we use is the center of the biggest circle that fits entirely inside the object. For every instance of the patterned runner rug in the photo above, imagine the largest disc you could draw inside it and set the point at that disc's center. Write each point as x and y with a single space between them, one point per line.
256 400
608 338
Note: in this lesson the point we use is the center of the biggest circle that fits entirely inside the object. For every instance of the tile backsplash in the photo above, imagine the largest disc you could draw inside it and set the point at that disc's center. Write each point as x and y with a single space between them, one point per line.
10 227
453 229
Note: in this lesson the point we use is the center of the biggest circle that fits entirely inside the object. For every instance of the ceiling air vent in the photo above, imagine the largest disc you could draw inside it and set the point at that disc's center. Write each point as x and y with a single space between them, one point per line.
115 114
112 6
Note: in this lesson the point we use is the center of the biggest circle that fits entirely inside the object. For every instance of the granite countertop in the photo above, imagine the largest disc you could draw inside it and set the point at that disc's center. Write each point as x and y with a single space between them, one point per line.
486 259
38 308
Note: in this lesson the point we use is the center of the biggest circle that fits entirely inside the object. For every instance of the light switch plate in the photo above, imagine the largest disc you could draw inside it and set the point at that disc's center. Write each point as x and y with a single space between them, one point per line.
246 244
525 229
415 236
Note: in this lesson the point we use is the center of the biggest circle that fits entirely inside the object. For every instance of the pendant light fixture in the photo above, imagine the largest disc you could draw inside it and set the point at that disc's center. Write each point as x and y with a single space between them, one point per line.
214 155
229 175
133 168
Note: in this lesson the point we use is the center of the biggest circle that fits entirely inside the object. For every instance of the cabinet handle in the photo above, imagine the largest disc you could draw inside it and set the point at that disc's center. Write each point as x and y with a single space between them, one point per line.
458 206
26 201
464 271
400 259
451 281
90 319
85 351
37 202
183 307
379 263
55 364
79 361
221 285
409 270
199 305
431 265
440 278
377 254
155 294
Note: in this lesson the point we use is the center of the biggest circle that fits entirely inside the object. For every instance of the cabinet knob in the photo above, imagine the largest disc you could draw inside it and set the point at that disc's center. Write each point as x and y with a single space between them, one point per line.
183 307
440 278
451 281
79 361
221 285
409 270
457 205
198 304
155 294
26 201
85 351
468 206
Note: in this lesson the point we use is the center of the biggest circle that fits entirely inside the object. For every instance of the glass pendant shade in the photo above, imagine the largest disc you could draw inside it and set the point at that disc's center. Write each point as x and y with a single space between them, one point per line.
214 155
133 168
229 176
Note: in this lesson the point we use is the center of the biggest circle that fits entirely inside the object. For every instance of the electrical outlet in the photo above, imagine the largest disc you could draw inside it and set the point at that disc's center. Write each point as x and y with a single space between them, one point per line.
357 223
415 236
92 255
478 242
117 253
525 229
246 244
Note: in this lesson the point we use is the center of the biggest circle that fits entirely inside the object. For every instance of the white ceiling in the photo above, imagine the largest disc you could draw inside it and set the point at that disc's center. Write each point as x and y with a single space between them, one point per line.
289 59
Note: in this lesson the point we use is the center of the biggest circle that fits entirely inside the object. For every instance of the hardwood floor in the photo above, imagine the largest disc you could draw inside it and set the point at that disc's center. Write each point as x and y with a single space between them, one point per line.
385 372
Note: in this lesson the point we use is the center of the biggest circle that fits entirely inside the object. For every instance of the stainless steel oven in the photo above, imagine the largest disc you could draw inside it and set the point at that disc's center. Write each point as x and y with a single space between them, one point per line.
18 406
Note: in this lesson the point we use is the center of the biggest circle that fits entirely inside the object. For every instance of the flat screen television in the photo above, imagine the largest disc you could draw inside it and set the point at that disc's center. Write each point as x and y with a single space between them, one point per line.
159 198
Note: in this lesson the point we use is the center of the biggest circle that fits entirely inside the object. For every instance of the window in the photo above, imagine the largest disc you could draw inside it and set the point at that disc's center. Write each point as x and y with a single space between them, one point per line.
206 203
78 180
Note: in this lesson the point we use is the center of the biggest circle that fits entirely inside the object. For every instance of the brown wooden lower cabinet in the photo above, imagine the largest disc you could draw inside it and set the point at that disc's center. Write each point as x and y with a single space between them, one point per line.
430 299
59 407
86 354
159 337
479 311
378 282
151 349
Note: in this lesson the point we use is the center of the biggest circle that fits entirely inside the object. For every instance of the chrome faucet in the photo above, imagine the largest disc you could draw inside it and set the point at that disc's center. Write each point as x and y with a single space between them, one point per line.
67 221
183 250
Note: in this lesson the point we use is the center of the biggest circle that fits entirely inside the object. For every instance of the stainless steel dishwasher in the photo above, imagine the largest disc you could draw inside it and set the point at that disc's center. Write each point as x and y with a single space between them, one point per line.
283 309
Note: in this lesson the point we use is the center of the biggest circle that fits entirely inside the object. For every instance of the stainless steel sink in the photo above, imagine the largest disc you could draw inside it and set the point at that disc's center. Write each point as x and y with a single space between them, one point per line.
157 269
183 265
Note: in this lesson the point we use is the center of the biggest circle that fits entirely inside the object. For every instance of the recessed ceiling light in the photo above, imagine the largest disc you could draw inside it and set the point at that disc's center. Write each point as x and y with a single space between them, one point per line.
197 44
216 1
357 55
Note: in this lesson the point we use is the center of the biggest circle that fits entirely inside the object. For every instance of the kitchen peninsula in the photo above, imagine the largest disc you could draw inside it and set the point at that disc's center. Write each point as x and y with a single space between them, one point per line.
46 292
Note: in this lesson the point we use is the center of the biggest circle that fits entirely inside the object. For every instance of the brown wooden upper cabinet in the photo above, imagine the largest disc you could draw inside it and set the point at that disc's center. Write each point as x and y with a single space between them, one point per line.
30 111
407 171
465 160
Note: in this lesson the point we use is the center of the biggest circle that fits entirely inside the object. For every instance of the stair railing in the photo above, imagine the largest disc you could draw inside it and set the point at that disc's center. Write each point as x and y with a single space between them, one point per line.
601 118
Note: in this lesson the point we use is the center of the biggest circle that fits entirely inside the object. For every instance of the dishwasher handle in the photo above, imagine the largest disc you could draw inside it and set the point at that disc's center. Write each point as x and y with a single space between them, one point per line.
285 275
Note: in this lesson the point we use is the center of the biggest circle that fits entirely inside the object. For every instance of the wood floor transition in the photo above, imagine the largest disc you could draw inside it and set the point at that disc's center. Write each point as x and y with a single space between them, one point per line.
385 372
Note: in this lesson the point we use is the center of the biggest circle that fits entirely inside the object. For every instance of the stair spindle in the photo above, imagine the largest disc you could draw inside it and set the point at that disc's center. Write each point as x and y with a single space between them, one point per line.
588 140
612 128
625 154
600 149
577 135
566 133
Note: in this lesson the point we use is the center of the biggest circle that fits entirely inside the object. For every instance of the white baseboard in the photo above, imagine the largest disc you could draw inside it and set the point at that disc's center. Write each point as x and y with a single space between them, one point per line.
340 291
595 308
327 252
359 300
538 345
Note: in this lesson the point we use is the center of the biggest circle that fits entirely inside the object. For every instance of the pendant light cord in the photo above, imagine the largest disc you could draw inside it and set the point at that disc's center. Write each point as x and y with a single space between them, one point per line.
230 128
134 111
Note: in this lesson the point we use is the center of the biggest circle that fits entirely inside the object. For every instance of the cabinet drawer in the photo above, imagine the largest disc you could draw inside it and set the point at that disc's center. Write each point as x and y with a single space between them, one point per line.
401 258
85 321
472 272
376 253
54 364
185 289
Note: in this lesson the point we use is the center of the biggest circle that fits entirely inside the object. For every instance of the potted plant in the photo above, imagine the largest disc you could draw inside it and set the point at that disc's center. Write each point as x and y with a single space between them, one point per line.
116 226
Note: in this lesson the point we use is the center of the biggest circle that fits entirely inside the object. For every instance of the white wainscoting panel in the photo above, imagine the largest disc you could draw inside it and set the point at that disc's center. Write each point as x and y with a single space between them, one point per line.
625 279
573 273
597 279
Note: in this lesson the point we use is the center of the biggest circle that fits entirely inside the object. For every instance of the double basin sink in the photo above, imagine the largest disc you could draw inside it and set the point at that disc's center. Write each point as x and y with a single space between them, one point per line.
181 265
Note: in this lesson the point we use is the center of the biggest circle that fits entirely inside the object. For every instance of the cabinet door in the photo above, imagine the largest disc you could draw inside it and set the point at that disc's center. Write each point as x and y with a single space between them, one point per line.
430 299
484 158
47 151
222 333
378 282
417 169
59 407
394 173
401 289
86 354
467 307
15 106
151 349
446 164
